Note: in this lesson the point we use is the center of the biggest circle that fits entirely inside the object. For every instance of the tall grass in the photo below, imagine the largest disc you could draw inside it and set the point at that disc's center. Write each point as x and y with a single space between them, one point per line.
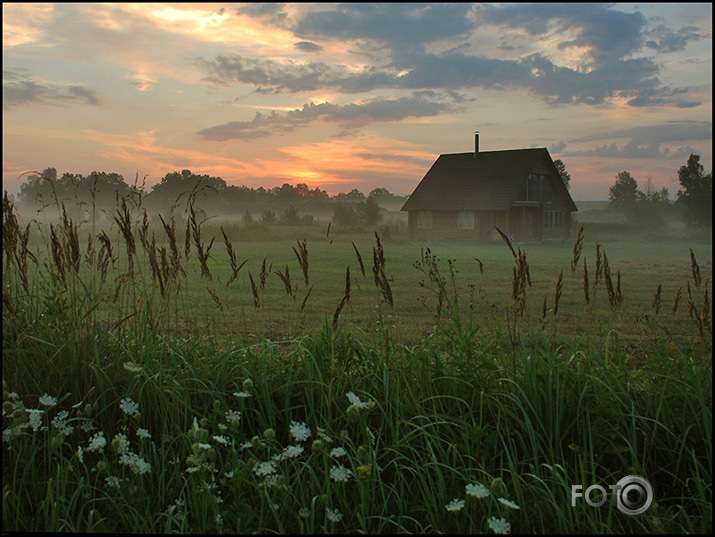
115 421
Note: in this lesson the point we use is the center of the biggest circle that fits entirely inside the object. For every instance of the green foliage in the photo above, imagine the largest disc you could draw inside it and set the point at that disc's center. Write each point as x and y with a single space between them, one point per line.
697 196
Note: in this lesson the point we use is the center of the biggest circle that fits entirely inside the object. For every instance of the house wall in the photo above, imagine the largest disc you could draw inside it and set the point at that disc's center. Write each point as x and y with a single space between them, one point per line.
445 225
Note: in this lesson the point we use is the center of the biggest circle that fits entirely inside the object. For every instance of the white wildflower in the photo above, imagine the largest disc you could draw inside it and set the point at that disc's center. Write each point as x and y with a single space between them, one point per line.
455 505
299 431
61 425
242 395
35 418
265 468
304 512
323 436
338 452
120 443
233 415
132 367
339 473
128 406
143 433
80 454
136 464
477 490
246 445
202 445
113 481
97 442
499 525
48 400
220 439
291 452
229 474
355 400
509 504
334 515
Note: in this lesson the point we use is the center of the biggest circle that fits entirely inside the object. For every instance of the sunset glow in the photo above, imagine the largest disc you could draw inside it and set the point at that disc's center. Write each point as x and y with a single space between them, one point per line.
345 96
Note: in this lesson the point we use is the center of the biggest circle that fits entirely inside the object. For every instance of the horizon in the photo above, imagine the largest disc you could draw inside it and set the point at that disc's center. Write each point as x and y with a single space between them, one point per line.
354 96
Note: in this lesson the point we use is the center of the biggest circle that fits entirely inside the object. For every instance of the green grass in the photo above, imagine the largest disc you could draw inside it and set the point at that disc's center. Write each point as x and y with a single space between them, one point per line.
488 391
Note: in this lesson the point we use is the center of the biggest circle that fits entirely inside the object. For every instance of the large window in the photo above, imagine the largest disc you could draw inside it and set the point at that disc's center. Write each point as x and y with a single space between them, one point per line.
536 188
465 220
553 219
424 219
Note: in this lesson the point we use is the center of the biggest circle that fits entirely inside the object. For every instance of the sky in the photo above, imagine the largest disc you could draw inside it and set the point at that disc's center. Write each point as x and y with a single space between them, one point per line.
345 96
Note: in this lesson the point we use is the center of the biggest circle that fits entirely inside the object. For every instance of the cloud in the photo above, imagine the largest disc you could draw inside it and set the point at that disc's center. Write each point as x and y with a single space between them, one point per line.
19 88
354 114
307 46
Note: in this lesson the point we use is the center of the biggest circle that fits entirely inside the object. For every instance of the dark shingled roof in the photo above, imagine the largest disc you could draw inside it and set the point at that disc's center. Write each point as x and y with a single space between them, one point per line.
459 181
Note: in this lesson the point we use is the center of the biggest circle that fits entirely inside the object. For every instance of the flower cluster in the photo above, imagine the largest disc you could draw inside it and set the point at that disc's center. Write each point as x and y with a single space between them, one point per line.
479 491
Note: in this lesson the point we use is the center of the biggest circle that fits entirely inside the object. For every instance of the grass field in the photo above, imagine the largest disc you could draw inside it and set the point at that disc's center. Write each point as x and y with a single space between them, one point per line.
441 387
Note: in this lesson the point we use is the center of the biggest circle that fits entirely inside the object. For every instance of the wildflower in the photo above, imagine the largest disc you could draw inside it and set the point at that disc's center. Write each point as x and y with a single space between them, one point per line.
509 504
499 525
48 400
246 445
355 400
323 436
136 464
143 433
61 425
455 505
128 406
233 416
228 474
334 515
291 452
265 468
97 442
35 417
338 452
242 395
113 481
80 454
477 490
132 367
304 512
364 471
220 439
201 445
339 473
299 431
120 443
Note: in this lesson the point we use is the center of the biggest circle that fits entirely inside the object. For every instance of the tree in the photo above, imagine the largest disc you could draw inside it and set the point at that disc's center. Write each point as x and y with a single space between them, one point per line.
624 193
565 176
697 196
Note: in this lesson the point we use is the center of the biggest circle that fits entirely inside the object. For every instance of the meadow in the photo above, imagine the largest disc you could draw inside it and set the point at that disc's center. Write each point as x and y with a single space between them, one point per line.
198 376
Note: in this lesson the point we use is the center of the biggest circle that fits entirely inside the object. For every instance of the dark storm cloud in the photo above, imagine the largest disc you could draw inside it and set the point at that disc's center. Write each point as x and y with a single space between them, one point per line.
350 115
20 88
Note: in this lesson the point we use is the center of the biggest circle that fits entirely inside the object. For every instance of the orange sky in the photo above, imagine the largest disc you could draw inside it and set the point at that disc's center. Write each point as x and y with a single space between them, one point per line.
354 96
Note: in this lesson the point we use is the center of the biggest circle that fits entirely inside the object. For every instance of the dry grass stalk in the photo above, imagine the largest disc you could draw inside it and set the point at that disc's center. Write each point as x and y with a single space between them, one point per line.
176 267
336 315
559 289
695 269
21 256
656 299
73 254
10 230
359 258
378 269
585 284
599 266
678 295
305 300
347 283
235 267
285 278
577 247
506 240
105 255
264 274
254 289
124 221
216 299
302 254
543 309
203 255
90 255
481 265
57 253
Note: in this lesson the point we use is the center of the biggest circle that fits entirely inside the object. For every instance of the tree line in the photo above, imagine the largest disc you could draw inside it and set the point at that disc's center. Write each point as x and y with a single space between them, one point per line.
651 207
96 195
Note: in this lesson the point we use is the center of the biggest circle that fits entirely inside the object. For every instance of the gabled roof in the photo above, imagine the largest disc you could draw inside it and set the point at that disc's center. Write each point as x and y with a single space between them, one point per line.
459 181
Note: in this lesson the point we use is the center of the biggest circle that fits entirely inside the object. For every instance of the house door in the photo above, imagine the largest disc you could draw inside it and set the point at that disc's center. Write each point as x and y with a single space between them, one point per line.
525 222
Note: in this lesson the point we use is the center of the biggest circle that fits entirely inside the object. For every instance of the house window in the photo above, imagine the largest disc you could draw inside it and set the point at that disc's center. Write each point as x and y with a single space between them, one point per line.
465 220
424 219
553 219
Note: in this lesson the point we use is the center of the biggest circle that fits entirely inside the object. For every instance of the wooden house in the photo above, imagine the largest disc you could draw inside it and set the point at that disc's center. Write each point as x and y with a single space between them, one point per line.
465 195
